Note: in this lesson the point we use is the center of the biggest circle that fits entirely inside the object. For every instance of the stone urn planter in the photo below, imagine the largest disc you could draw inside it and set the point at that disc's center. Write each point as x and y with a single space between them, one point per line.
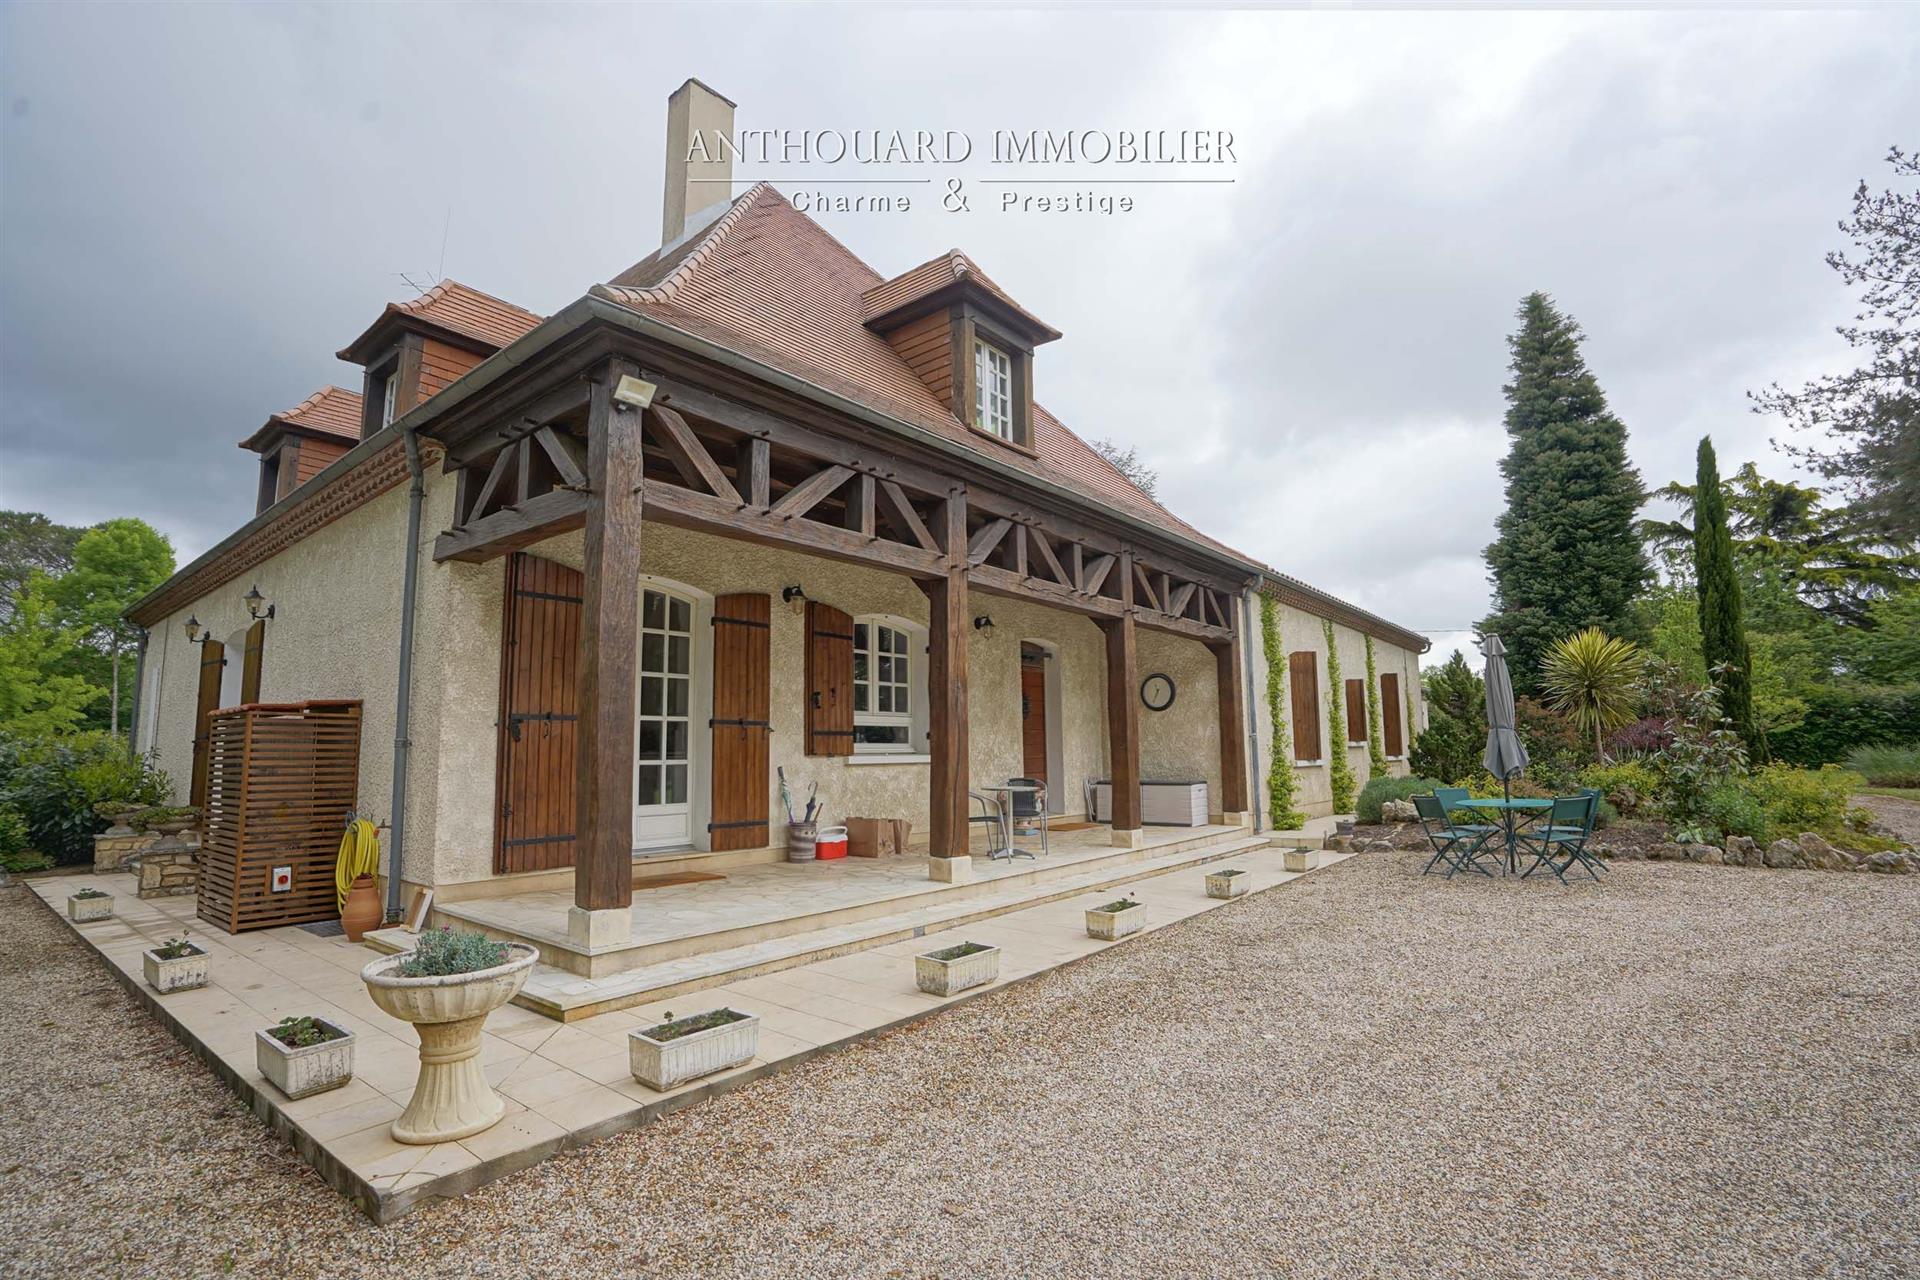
952 970
304 1056
682 1049
1230 883
451 1098
175 965
1116 920
89 904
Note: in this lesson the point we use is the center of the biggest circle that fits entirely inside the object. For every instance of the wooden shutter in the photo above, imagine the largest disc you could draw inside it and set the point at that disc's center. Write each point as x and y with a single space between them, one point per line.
536 790
1390 713
829 681
250 665
1356 711
213 660
742 703
1303 684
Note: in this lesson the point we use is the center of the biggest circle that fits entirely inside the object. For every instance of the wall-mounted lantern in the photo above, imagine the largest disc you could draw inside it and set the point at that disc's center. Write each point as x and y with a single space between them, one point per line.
984 625
795 598
254 600
196 634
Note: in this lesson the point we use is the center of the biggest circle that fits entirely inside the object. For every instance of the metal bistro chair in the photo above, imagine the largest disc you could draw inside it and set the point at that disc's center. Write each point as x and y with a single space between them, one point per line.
1458 847
1561 841
1452 798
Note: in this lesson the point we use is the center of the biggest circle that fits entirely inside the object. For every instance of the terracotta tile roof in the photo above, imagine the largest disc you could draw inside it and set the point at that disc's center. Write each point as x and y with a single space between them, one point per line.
771 283
330 411
951 267
455 308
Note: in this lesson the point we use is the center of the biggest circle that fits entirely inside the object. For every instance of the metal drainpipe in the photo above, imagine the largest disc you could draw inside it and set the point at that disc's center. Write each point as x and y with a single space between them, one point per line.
1250 603
402 744
133 719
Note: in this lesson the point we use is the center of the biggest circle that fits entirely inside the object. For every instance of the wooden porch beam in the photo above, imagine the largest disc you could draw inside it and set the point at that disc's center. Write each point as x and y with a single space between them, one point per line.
690 457
949 618
811 492
904 519
568 458
1123 726
1229 673
672 504
494 535
983 542
1182 597
1097 573
1057 570
753 459
860 506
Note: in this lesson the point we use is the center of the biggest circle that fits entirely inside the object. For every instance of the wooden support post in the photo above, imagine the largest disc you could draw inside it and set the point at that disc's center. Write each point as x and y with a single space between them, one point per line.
609 654
949 622
1229 670
1123 714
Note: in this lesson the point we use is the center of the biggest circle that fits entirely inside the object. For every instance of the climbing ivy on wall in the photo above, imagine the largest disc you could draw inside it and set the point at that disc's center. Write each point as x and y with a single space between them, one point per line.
1376 750
1280 807
1339 769
1412 727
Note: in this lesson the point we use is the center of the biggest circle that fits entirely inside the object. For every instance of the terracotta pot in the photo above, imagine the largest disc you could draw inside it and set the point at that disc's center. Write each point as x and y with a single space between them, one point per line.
362 911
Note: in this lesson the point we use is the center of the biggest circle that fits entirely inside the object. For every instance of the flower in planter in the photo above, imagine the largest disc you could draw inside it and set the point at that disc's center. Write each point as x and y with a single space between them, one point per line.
303 1032
441 952
90 892
177 948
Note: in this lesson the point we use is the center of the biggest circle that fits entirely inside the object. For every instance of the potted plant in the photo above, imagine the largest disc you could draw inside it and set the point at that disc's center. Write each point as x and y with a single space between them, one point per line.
952 970
677 1050
1230 883
1116 920
303 1056
175 965
1298 859
446 986
89 904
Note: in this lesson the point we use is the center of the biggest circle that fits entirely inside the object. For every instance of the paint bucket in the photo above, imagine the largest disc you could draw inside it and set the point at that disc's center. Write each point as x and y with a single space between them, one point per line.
831 843
800 841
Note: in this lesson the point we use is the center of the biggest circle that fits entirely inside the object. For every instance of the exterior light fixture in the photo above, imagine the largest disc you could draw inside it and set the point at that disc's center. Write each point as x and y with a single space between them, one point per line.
254 600
193 631
633 393
984 625
796 598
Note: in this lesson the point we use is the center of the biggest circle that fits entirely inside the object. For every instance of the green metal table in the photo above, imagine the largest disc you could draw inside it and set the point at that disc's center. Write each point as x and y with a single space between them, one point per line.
1510 812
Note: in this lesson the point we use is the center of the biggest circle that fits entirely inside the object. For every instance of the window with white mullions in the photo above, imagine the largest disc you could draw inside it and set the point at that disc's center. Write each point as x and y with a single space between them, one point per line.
992 390
884 679
663 750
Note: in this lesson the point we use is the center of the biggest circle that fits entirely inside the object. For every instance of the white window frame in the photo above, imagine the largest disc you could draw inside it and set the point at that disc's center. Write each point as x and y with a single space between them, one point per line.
913 651
993 390
389 395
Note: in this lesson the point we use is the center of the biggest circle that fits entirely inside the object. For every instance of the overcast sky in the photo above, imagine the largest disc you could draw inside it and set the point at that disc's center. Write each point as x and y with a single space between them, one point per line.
199 205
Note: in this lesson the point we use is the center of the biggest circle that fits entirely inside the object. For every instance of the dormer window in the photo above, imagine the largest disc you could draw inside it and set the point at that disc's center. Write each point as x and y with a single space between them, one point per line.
993 391
387 398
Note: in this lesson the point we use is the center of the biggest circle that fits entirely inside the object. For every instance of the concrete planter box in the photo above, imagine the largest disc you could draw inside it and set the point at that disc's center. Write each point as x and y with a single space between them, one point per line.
942 975
301 1073
181 974
451 1098
662 1064
80 910
1111 926
1299 859
1230 883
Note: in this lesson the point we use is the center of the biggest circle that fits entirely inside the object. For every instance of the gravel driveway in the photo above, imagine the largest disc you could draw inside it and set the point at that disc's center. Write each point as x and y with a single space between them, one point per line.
1685 1071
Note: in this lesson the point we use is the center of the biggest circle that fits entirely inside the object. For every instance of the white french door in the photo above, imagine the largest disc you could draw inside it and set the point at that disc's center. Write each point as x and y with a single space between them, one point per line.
664 749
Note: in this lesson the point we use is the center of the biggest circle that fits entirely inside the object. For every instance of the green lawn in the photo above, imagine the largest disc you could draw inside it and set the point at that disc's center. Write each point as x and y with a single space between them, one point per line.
1898 793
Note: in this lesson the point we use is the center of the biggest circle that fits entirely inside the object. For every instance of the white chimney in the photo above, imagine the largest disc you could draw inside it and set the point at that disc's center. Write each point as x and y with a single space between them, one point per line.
699 160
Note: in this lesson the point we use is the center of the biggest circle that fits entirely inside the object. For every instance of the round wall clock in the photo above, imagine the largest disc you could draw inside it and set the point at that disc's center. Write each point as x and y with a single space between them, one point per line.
1156 691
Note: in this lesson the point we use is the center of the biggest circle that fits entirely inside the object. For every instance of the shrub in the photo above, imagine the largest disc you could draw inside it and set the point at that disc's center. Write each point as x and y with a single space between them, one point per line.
16 850
1380 790
1627 785
1887 766
55 784
1556 749
442 951
1842 717
1731 809
1797 800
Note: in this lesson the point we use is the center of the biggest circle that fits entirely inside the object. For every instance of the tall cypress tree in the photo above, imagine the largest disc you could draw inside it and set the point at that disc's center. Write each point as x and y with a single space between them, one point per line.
1567 556
1723 636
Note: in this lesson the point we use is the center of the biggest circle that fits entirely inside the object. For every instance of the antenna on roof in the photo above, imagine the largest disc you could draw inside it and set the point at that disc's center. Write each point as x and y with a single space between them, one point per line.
412 279
409 279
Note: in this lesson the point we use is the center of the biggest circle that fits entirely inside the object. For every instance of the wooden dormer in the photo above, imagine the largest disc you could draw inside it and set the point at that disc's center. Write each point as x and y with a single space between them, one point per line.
417 347
970 343
297 445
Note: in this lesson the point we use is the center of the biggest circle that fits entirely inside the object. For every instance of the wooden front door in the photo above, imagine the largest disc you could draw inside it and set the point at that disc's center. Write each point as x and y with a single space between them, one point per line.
213 661
539 716
1033 716
742 703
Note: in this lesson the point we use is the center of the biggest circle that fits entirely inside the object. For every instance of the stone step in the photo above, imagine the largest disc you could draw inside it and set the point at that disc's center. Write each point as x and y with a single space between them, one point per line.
567 996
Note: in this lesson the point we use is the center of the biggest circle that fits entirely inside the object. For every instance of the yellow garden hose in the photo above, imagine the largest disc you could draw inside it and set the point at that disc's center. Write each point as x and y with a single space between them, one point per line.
359 856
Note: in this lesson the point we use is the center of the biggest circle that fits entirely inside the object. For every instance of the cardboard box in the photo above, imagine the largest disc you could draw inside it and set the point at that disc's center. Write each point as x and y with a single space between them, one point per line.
871 837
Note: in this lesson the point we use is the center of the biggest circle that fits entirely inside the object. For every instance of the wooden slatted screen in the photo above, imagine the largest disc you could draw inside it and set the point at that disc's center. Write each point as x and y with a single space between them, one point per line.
213 660
742 705
250 666
537 811
1356 711
1303 685
829 681
1390 713
281 780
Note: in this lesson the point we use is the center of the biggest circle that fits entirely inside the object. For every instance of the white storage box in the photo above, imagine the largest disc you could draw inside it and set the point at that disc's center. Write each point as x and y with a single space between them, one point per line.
1162 804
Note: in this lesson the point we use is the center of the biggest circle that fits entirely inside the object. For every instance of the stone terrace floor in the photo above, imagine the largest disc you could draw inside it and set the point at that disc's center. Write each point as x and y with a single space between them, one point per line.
1680 1071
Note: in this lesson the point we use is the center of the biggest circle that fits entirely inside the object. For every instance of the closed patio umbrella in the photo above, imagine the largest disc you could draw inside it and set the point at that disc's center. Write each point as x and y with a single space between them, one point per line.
1505 755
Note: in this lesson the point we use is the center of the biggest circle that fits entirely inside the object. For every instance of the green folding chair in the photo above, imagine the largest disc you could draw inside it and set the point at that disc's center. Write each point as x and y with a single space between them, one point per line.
1459 847
1561 840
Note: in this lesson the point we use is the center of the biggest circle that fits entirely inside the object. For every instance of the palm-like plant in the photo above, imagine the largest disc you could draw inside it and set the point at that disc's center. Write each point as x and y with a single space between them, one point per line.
1591 677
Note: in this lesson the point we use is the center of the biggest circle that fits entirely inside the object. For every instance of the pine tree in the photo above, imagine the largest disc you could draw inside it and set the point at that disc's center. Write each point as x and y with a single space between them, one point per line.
1568 556
1281 810
1376 749
1339 768
1723 636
